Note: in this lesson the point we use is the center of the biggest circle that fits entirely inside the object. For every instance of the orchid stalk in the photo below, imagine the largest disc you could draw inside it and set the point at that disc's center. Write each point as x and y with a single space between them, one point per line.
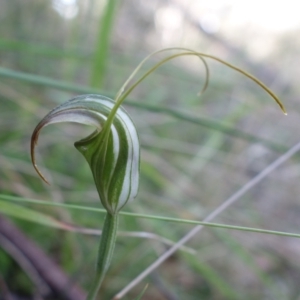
113 154
113 150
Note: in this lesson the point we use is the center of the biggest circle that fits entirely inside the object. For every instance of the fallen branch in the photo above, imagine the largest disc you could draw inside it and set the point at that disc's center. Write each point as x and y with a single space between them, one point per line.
49 274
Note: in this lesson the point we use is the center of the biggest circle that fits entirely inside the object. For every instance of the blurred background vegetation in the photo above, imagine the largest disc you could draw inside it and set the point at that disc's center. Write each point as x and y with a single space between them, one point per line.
196 152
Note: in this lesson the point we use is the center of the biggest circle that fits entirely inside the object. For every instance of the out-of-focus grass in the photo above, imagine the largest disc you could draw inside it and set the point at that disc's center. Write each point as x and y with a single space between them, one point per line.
196 152
99 63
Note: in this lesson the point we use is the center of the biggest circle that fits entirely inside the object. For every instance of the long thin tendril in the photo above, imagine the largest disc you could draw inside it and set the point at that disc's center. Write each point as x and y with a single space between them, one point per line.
122 94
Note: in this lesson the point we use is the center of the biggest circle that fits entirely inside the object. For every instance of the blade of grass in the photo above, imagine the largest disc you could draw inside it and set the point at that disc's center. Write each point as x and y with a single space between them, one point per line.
44 50
27 214
141 294
102 44
207 123
152 217
207 149
31 215
241 253
218 283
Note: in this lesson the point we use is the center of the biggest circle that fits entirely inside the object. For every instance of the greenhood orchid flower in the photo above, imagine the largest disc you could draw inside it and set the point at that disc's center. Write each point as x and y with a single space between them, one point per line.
113 153
113 150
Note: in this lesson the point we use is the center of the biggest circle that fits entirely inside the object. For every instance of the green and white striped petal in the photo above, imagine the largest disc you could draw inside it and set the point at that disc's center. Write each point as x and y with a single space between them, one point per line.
113 151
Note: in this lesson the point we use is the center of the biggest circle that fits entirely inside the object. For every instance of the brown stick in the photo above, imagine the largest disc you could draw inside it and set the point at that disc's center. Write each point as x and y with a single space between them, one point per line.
48 271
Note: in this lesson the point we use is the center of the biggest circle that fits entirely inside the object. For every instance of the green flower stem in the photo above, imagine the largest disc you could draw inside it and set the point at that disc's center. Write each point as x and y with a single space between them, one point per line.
106 249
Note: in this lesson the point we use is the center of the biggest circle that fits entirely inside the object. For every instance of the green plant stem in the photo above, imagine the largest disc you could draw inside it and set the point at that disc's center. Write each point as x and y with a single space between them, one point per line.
106 248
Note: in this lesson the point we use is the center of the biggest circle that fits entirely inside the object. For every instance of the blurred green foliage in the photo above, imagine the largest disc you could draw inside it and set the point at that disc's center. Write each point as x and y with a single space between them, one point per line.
196 152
